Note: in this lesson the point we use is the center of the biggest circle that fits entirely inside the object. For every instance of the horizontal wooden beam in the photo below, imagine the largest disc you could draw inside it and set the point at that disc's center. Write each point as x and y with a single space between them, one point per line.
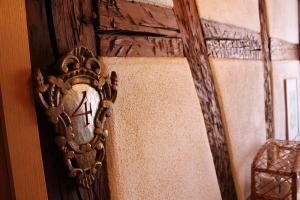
283 50
135 46
71 25
130 16
228 41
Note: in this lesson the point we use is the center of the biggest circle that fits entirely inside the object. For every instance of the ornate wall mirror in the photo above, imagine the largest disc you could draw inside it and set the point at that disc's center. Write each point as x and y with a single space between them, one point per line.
77 101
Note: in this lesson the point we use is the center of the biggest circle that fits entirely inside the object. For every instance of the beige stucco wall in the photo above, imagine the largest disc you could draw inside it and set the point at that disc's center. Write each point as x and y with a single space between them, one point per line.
240 88
243 13
283 24
158 147
283 19
281 71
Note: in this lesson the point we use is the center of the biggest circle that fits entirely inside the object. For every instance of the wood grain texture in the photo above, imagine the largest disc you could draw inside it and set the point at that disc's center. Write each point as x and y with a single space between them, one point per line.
41 51
5 188
196 53
135 46
18 120
73 25
267 69
283 50
228 41
130 16
46 47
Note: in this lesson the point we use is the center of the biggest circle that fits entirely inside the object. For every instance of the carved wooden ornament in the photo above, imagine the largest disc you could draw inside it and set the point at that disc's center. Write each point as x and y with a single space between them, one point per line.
77 101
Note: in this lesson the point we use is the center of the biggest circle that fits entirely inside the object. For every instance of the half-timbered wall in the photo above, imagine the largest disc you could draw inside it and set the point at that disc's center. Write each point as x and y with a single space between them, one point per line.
284 27
239 78
158 122
159 147
197 94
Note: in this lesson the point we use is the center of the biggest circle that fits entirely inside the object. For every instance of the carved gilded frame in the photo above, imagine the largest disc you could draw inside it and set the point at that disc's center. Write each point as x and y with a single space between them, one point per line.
78 68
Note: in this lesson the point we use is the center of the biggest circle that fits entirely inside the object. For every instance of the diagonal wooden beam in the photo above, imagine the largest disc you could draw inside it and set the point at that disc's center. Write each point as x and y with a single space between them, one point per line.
196 53
265 39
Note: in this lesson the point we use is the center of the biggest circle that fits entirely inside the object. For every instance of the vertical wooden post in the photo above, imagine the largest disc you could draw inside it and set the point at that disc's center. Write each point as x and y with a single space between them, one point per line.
18 119
265 39
56 27
195 50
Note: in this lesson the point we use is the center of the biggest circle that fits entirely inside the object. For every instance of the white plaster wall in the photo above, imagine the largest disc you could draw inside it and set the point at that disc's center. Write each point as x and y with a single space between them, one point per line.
158 147
283 19
241 93
281 71
243 13
164 3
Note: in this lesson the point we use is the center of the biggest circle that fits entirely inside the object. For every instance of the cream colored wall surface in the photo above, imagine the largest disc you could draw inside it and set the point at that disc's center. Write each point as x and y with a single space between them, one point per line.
164 3
283 19
158 147
281 71
243 13
240 88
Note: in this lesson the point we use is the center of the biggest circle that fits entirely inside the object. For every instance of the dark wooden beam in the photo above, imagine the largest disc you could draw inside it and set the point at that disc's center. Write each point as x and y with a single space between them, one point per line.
196 53
73 24
229 41
267 68
283 50
54 28
129 28
135 46
130 16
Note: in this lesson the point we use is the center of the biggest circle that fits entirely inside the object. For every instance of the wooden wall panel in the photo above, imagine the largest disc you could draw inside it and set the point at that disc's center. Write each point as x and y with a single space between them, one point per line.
18 119
196 53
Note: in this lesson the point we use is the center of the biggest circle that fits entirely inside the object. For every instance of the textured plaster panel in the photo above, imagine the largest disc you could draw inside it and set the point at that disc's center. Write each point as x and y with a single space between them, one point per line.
240 89
242 13
283 19
281 71
158 147
164 3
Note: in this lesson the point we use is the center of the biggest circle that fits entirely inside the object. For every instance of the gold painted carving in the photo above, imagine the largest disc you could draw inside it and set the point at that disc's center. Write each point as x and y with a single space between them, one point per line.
77 101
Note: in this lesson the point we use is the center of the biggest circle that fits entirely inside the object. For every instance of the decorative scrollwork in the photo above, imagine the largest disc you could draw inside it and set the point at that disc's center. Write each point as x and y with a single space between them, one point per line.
77 101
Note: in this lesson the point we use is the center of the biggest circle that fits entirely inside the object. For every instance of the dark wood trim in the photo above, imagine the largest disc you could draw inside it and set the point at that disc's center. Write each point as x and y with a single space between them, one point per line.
73 25
130 16
55 27
135 46
18 124
129 28
196 53
229 41
267 69
283 50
